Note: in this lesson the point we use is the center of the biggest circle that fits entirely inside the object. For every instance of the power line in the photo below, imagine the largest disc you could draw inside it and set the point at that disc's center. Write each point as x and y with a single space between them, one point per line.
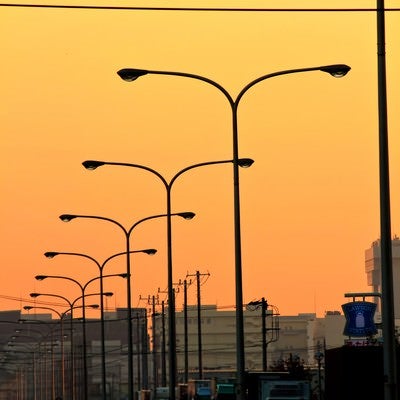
204 9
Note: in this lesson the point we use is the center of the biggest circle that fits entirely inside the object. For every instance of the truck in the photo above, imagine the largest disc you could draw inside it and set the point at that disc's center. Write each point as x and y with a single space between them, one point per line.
277 386
285 390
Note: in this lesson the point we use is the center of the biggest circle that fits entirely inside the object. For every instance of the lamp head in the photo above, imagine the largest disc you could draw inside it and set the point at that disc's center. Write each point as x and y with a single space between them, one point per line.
94 306
34 295
336 70
150 252
187 215
130 74
40 277
67 217
92 164
28 308
50 254
245 162
124 275
108 294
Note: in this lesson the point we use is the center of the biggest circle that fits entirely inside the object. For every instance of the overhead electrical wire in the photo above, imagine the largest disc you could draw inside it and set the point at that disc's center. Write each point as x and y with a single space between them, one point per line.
204 9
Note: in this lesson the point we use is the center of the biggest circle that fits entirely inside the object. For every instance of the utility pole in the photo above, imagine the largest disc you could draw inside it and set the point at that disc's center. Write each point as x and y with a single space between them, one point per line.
198 276
254 305
138 348
185 284
163 344
390 385
145 348
171 303
163 349
143 334
264 306
153 301
319 355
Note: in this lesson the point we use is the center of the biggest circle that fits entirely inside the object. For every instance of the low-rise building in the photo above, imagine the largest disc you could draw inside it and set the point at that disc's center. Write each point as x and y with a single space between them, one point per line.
286 338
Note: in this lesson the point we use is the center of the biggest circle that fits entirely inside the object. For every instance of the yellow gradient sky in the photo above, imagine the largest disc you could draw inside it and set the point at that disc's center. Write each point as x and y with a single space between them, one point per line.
310 202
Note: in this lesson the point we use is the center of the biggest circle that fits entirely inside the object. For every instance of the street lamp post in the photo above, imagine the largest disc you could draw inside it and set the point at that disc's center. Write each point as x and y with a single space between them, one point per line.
127 234
100 266
72 374
93 164
35 360
61 316
71 309
336 70
82 288
31 353
42 341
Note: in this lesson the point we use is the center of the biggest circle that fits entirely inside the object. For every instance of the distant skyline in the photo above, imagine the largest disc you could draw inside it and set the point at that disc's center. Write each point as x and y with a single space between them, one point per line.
309 203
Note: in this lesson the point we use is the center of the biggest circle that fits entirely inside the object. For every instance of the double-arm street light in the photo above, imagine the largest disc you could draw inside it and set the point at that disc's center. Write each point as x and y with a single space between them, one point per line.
45 341
100 266
130 74
93 164
61 316
72 374
127 234
83 289
71 309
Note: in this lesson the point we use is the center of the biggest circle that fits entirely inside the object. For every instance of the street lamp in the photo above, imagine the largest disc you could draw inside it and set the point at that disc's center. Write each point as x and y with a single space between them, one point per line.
93 164
82 288
127 234
100 266
72 374
336 70
71 308
29 351
46 342
61 316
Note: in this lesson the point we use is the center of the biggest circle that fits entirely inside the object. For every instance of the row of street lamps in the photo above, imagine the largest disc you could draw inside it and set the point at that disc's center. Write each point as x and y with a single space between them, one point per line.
62 316
130 74
102 294
127 235
101 266
94 164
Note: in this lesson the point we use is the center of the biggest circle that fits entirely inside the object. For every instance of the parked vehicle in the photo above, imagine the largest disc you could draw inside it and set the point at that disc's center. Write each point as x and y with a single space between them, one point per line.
286 390
200 389
225 391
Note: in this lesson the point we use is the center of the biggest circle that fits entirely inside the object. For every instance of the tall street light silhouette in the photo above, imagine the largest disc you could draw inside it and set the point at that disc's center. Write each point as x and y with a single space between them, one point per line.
83 289
72 356
47 342
93 164
35 344
336 70
127 234
100 266
61 317
72 306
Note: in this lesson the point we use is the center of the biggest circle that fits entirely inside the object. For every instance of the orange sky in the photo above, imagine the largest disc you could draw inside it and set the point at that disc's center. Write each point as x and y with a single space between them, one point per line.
310 202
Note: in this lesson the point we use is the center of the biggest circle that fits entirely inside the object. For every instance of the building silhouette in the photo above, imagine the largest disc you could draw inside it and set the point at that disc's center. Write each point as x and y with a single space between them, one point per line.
33 364
373 271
